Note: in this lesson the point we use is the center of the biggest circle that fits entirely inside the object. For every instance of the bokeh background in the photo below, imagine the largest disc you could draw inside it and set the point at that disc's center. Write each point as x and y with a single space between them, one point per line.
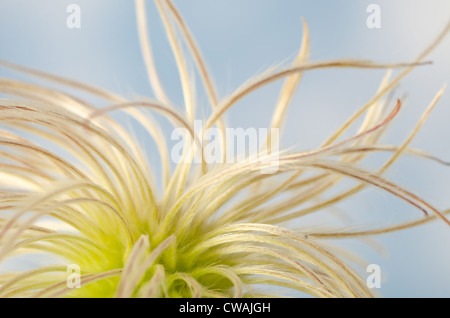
241 38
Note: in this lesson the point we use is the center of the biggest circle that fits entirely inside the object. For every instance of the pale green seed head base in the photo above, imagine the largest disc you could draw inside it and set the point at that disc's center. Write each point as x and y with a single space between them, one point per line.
195 239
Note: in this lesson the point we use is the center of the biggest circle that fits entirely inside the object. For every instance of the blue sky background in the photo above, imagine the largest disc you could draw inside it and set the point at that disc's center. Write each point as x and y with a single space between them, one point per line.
239 39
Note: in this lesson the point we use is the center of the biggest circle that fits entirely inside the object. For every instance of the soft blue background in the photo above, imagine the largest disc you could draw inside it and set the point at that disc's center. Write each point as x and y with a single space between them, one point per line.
240 38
